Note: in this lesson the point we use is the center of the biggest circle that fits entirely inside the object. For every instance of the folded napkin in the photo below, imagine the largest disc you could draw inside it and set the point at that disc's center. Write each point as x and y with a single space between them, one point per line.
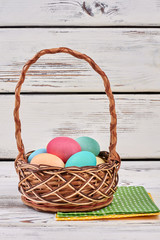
127 202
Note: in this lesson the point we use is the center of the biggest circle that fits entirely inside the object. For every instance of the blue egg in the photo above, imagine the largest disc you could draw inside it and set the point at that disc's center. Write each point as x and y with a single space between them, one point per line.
81 159
36 152
89 144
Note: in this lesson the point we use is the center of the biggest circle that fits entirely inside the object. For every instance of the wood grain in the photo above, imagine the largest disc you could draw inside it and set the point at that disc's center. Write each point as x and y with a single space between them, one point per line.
80 13
18 221
130 58
47 116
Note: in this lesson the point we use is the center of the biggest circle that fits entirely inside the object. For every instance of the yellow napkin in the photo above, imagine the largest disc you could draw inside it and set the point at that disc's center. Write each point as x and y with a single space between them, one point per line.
128 202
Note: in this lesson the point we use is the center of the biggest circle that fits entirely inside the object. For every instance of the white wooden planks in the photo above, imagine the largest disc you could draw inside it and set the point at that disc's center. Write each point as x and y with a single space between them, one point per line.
79 13
19 221
47 116
130 58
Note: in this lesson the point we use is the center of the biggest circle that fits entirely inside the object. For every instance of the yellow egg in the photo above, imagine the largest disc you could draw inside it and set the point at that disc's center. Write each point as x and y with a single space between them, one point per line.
47 159
99 160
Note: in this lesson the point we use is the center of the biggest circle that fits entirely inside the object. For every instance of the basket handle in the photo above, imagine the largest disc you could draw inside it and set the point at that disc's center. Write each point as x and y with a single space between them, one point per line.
113 155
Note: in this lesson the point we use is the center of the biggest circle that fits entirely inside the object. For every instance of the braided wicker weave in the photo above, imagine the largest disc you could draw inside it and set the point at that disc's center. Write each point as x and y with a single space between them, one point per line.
55 189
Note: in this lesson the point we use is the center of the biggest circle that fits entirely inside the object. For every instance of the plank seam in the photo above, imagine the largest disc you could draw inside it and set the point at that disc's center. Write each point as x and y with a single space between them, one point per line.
86 26
80 93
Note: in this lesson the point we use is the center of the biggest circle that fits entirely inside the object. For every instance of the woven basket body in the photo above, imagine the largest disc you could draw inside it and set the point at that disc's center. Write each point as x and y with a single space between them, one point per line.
55 189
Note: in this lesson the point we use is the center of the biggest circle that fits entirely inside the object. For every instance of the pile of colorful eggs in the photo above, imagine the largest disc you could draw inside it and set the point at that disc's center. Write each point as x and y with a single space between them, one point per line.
66 152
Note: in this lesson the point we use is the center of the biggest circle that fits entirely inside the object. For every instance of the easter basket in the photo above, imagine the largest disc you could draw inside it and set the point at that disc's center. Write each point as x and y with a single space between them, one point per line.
53 189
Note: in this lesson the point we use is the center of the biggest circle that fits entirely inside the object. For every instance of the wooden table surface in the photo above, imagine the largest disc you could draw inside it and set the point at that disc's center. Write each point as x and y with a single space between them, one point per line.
18 221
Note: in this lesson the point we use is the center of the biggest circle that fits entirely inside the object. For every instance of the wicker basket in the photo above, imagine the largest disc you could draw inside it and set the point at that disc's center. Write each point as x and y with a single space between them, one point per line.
53 189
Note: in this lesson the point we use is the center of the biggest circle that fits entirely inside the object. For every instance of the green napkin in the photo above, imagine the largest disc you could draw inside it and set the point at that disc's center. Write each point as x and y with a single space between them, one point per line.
127 200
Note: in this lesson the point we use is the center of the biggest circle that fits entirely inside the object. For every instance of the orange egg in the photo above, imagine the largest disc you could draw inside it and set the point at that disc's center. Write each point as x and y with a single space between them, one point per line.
47 159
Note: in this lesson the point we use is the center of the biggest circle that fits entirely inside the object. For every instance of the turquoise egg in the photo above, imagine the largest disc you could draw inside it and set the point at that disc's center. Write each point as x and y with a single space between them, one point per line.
36 152
89 144
81 159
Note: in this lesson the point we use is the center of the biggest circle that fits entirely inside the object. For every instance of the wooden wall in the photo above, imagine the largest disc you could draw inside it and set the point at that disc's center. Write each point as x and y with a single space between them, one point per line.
62 95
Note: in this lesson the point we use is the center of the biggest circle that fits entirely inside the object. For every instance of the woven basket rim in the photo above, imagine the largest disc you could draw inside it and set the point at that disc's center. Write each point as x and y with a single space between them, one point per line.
45 167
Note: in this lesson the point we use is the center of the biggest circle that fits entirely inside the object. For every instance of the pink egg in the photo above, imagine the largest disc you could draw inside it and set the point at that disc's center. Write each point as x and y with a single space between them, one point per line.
47 159
63 147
